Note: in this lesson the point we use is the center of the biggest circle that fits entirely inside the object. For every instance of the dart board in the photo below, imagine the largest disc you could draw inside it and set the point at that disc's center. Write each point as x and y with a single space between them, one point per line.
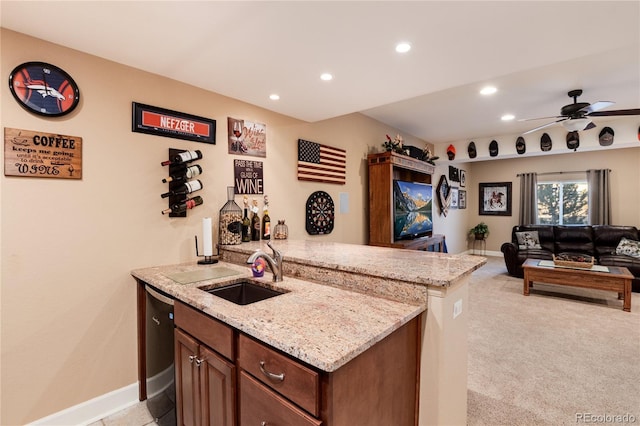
320 213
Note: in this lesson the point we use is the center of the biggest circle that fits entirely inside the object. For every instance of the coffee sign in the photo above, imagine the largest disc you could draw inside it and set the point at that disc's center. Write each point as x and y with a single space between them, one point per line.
39 154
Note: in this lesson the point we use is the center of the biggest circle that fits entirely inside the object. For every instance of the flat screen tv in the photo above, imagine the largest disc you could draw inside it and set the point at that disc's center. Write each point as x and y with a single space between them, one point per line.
412 210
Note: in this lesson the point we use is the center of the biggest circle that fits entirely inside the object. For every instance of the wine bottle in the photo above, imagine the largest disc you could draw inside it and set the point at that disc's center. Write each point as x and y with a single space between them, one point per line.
246 225
255 227
183 157
185 188
186 174
266 225
184 206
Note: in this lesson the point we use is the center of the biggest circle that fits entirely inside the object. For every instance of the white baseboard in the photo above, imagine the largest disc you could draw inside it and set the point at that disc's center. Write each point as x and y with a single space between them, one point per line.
94 409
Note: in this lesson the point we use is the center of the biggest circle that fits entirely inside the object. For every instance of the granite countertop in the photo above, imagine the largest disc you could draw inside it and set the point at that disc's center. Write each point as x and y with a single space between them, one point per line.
321 325
417 267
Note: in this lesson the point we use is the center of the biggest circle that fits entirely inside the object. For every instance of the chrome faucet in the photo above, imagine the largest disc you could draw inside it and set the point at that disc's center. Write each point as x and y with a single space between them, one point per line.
275 262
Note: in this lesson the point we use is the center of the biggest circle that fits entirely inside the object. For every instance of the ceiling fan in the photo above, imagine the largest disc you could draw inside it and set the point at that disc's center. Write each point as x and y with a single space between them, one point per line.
576 116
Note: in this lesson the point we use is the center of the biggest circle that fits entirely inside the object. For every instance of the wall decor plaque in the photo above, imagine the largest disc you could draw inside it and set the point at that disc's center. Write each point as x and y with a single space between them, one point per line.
39 154
172 124
248 176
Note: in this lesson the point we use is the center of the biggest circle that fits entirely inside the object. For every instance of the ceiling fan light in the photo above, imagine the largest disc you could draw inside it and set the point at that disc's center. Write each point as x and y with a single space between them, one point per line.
576 124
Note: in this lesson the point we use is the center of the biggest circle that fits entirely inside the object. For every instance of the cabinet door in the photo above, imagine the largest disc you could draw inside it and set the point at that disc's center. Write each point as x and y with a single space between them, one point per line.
187 382
259 405
217 389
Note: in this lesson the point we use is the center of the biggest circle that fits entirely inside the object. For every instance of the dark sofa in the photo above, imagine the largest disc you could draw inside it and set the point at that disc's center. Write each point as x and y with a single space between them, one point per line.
599 241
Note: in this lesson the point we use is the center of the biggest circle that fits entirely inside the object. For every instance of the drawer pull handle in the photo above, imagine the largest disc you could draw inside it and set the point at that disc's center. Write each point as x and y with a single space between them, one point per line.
198 362
192 358
279 377
264 424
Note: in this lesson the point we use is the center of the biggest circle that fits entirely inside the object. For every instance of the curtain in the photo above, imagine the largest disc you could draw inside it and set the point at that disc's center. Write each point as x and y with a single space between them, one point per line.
528 199
599 197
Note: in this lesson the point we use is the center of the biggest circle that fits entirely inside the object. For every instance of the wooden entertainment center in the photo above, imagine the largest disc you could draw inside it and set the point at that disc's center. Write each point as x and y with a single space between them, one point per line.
383 169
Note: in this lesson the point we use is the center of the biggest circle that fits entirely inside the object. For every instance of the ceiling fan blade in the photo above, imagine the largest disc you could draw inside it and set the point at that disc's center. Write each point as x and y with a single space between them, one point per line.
635 111
591 125
541 118
596 106
544 125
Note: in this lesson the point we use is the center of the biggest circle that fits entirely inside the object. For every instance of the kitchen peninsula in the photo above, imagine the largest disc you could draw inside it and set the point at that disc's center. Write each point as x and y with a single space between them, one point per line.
342 303
438 282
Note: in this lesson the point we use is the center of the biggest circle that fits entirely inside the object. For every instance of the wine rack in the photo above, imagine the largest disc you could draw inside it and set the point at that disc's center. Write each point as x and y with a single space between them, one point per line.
173 185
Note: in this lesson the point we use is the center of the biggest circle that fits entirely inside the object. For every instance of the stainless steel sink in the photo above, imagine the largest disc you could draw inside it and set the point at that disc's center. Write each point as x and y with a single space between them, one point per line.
244 292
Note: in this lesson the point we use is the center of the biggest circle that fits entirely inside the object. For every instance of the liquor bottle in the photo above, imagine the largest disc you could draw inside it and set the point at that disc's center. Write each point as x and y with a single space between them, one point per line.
184 206
185 188
266 225
246 225
183 157
185 174
255 227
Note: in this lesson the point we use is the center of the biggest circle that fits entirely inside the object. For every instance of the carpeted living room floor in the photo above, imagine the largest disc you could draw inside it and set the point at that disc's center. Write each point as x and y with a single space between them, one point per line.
562 355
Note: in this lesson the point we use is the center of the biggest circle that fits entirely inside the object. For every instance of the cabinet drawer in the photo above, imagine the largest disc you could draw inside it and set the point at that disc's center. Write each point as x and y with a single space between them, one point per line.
297 382
260 405
209 331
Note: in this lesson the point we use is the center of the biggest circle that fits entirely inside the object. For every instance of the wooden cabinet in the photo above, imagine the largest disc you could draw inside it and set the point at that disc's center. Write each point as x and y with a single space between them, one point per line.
258 384
281 373
383 169
377 388
205 380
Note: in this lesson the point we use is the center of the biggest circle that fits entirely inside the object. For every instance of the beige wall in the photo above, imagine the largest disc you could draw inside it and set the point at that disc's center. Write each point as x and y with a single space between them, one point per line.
625 185
68 301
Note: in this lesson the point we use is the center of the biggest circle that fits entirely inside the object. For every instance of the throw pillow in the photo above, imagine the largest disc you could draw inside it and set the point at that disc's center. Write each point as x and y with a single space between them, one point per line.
629 247
528 240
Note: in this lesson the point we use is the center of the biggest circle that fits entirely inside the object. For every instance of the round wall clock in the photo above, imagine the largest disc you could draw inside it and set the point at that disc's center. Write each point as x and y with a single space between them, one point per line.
320 213
44 89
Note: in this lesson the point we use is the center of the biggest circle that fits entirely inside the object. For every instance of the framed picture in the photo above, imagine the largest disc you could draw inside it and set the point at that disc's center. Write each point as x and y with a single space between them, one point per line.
172 124
246 137
454 198
443 191
463 178
495 199
462 199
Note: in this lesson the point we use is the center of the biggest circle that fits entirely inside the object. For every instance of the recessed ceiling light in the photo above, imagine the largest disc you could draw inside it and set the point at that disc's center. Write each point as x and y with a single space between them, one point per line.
489 90
403 47
507 117
274 97
326 76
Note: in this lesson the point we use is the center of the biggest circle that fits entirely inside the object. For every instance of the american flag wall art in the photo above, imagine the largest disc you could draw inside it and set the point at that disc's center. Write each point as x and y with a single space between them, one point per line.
321 163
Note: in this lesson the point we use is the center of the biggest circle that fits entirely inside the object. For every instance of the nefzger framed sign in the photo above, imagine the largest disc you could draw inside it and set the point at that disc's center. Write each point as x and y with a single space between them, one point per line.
172 124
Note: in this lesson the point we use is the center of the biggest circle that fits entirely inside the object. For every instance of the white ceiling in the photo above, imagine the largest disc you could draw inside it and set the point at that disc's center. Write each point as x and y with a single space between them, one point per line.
533 52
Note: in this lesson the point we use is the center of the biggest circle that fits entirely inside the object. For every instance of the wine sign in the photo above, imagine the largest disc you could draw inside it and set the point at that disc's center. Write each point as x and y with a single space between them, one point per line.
39 154
248 177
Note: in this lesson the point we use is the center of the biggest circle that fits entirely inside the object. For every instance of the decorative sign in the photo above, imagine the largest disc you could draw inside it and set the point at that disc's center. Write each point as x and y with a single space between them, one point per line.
248 177
172 124
39 154
321 163
246 137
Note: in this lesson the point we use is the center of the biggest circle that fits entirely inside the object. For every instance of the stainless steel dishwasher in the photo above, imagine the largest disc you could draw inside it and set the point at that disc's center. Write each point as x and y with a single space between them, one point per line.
161 390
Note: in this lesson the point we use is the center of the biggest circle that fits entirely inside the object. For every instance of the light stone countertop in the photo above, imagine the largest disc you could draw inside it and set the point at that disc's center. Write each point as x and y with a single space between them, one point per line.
321 325
352 297
418 267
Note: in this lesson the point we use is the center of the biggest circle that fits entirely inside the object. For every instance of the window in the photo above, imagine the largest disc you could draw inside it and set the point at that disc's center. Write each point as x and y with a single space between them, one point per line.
563 203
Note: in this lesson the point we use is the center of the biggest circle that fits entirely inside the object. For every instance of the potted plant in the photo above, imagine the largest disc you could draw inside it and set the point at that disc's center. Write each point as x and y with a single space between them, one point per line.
480 231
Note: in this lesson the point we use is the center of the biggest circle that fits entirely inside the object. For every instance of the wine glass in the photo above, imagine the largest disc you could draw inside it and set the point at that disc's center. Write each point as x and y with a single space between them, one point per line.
237 132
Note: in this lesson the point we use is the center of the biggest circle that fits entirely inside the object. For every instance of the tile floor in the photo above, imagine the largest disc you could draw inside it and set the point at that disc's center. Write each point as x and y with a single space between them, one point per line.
136 415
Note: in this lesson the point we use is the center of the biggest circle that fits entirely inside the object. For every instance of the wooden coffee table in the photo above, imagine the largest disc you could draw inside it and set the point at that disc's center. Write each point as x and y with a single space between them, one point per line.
618 279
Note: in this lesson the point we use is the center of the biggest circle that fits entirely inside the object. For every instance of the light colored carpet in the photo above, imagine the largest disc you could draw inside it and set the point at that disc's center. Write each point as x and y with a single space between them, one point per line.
559 356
